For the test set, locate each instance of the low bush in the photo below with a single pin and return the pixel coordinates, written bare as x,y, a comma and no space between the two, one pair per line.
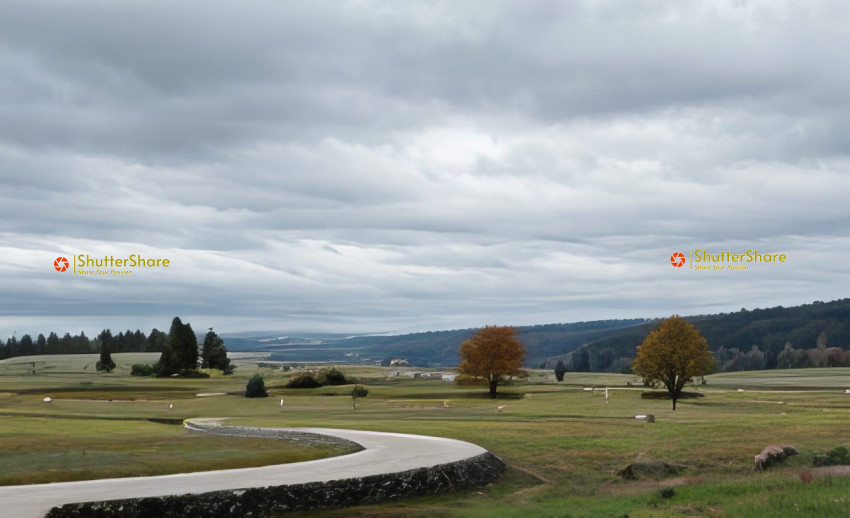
332,376
256,387
838,456
303,380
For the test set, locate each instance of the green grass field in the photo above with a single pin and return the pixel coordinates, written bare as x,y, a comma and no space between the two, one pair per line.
564,445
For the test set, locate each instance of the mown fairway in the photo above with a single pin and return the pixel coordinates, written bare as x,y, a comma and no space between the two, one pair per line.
564,445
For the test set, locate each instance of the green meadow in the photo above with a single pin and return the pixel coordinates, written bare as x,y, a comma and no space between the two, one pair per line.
564,445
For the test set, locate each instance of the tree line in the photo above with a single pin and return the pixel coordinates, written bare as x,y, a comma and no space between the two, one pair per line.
180,354
179,349
124,342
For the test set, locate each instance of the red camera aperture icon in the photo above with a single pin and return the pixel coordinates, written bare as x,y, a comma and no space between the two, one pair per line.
61,264
677,259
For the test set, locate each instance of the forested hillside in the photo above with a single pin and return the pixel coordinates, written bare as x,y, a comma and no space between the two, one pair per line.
441,347
811,335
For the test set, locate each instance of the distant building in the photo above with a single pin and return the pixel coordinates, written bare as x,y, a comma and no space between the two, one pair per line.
398,362
449,377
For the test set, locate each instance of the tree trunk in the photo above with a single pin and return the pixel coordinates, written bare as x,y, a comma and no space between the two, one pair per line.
674,387
494,381
675,393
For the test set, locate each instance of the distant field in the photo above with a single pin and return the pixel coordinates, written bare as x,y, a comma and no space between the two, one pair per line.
564,444
792,379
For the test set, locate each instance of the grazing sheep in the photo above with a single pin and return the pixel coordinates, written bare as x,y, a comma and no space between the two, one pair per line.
772,454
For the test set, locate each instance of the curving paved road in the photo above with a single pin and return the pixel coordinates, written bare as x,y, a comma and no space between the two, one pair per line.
382,453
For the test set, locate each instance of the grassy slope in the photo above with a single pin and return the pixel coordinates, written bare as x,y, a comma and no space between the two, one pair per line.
96,425
564,444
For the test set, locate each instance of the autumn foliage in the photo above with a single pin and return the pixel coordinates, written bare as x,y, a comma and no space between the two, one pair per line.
673,354
492,353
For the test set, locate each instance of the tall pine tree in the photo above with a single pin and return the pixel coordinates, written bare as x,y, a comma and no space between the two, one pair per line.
107,345
180,351
214,354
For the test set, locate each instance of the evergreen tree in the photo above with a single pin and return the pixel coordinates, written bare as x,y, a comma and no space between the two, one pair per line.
180,351
52,343
155,341
82,344
560,369
41,344
13,346
214,354
138,342
107,344
256,387
27,346
121,342
66,343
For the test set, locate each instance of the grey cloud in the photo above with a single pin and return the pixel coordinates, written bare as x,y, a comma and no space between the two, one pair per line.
370,165
189,65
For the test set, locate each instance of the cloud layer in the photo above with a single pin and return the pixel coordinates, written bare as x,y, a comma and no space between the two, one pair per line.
373,166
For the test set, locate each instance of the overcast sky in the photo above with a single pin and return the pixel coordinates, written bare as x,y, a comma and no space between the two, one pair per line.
396,166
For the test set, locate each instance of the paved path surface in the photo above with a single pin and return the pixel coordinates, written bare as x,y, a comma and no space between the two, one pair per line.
382,453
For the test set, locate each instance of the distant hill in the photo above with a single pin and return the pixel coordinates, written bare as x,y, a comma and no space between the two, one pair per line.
431,349
809,335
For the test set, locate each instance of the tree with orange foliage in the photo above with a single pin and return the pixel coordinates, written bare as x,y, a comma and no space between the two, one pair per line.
492,353
673,354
